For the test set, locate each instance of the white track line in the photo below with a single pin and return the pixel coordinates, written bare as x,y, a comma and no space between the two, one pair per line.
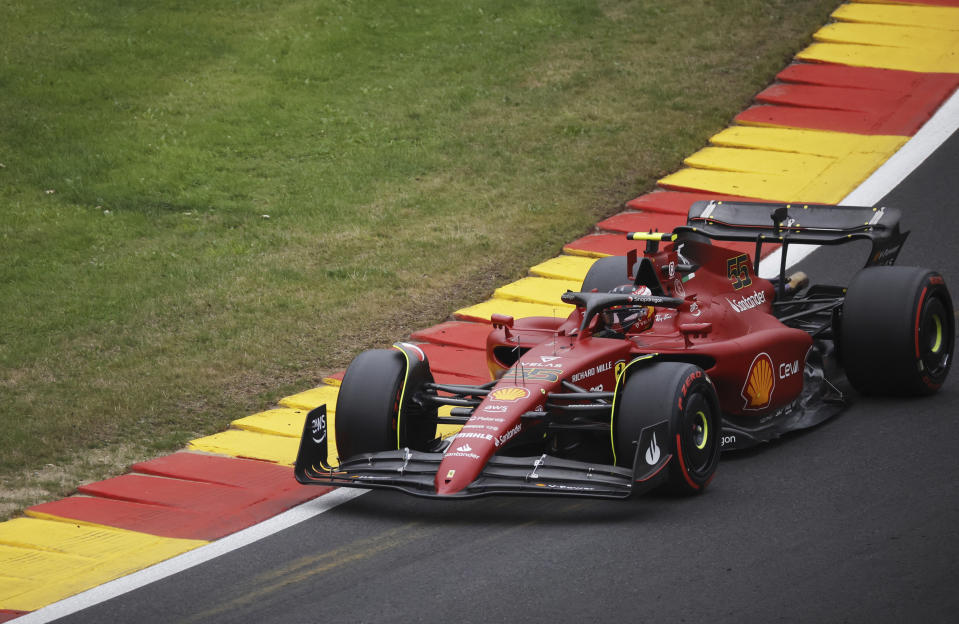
883,180
192,558
933,134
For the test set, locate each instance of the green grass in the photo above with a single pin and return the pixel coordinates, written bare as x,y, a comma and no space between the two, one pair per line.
206,206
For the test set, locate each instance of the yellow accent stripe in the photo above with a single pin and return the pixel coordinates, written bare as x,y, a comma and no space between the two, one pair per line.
399,409
612,412
445,431
650,236
705,423
938,343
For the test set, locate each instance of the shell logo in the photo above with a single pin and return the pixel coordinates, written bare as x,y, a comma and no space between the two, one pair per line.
760,383
512,393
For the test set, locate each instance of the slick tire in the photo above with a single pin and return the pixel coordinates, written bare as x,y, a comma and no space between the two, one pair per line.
606,274
683,394
368,415
897,331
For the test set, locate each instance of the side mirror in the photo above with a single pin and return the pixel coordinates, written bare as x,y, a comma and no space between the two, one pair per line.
694,330
502,321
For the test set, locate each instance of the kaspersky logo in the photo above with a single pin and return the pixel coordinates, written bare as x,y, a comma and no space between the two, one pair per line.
760,383
748,302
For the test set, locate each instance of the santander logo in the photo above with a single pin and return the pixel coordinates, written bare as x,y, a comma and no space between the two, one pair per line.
748,302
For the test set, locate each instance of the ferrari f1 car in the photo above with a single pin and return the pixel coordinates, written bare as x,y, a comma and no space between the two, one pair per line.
670,356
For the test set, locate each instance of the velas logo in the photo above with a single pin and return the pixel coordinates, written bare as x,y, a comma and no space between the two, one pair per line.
760,383
513,393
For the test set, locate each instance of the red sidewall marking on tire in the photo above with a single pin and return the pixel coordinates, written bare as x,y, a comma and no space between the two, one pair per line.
682,464
922,298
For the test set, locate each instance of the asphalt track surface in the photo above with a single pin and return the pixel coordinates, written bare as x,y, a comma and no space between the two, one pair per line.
856,520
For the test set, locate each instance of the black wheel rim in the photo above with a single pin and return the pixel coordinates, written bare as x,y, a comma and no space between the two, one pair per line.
699,436
934,340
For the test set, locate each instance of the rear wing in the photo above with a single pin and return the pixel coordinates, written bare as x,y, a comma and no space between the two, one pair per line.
785,224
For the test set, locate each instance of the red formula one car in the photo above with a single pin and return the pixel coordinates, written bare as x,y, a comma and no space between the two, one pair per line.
670,356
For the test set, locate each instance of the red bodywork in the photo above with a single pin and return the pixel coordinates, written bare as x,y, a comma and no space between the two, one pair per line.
725,325
576,408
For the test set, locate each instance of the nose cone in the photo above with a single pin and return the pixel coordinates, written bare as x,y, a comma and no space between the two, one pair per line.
451,483
494,422
462,464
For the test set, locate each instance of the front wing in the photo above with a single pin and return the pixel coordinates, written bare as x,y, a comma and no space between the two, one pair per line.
414,472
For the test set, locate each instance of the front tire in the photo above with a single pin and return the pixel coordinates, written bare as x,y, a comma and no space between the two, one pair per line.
897,333
369,414
683,394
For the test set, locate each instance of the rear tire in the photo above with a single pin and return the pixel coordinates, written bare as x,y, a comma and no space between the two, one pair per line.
368,416
683,394
897,333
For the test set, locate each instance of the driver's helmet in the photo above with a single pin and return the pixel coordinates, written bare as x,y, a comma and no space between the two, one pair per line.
629,318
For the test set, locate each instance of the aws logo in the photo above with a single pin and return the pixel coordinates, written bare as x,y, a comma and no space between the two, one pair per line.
760,383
